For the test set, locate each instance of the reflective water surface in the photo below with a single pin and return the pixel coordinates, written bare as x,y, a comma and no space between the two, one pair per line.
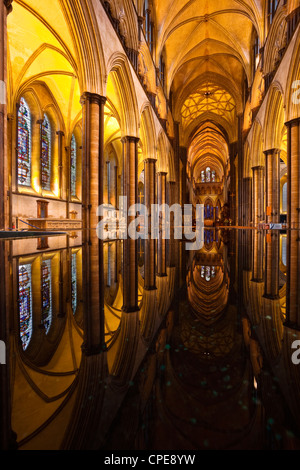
144,345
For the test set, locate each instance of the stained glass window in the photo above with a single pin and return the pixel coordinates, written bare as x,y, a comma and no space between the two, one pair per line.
74,282
73,165
25,305
46,295
213,176
46,154
24,144
208,175
203,178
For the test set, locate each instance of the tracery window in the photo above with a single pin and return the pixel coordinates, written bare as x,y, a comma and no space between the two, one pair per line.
73,165
46,295
24,144
149,26
25,305
74,282
271,10
46,154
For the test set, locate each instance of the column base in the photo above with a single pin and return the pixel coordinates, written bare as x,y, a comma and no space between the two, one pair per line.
130,309
292,326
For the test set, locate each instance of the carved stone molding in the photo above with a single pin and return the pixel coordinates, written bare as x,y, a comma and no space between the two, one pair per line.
8,5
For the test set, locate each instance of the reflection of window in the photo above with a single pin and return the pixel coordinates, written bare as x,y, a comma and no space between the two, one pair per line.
46,154
208,273
74,282
73,165
283,250
46,295
25,305
24,144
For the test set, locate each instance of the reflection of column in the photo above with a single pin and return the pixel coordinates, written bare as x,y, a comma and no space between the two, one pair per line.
258,194
293,248
161,257
258,257
130,276
93,158
247,187
93,294
272,265
150,259
7,437
273,185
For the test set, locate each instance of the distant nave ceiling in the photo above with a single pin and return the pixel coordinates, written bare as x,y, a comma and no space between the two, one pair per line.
207,45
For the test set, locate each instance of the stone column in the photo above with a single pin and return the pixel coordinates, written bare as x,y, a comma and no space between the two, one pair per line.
162,187
93,158
258,194
293,240
130,252
150,183
5,9
272,178
247,198
93,282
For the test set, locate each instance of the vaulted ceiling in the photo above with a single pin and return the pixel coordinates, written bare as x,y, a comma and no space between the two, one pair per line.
207,47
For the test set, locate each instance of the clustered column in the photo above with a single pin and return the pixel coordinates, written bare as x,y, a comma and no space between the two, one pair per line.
5,9
161,242
273,185
93,158
258,194
130,256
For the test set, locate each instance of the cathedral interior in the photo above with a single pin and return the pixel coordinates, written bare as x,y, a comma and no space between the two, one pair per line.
119,344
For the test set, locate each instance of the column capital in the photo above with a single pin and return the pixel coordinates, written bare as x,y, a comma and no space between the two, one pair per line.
60,133
259,167
162,173
150,160
8,5
130,139
272,151
92,98
293,122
